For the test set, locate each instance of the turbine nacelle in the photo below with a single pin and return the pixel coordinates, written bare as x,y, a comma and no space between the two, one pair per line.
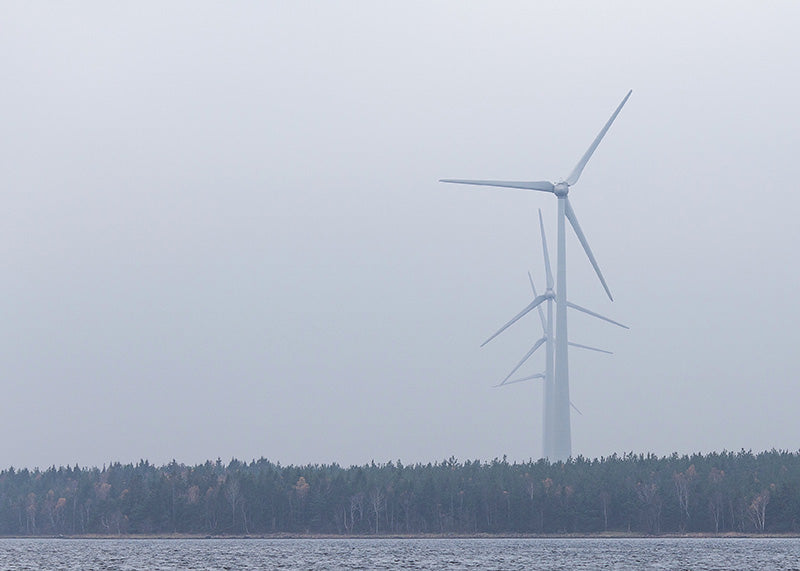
561,189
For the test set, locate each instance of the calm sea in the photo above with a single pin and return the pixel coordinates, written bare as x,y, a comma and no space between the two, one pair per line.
334,554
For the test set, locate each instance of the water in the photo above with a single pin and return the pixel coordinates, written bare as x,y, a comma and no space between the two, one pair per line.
367,554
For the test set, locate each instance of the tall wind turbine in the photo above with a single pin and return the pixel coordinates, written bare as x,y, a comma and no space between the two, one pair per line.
547,340
562,442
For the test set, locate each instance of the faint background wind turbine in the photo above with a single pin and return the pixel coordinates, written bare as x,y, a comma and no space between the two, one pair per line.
562,436
547,340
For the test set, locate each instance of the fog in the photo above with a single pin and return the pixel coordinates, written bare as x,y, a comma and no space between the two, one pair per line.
222,233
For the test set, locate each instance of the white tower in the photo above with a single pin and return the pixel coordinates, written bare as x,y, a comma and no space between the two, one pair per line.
559,414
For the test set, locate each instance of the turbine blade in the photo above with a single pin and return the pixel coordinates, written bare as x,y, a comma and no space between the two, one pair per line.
576,172
517,317
590,348
536,376
579,233
539,309
572,404
597,315
534,185
547,270
525,358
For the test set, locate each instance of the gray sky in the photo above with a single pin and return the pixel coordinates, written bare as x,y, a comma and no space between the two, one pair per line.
223,235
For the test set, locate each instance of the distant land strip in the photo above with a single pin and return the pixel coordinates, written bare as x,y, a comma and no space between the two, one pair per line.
717,494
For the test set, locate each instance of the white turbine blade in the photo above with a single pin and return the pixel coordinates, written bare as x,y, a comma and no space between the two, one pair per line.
546,254
534,185
590,348
572,404
525,358
531,305
523,379
576,172
539,309
597,315
579,233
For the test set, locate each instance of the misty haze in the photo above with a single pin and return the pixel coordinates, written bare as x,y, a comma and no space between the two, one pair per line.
227,251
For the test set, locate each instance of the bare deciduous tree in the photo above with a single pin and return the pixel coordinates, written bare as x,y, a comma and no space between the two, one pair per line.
758,510
378,502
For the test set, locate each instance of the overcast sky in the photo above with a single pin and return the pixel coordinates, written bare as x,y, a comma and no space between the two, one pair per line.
222,233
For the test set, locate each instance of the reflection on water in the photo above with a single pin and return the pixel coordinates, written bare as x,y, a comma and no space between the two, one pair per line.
335,554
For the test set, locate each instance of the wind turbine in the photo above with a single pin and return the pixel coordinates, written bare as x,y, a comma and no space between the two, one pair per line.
562,437
548,341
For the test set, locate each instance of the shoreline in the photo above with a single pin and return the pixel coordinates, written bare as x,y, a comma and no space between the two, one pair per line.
320,536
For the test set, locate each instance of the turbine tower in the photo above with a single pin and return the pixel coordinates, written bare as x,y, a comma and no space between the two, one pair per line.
562,437
547,340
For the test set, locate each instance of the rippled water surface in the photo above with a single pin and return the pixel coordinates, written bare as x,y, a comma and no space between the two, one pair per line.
332,554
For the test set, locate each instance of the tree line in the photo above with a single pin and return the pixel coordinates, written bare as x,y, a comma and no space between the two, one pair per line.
638,493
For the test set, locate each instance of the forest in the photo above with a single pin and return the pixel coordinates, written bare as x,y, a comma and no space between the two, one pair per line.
634,493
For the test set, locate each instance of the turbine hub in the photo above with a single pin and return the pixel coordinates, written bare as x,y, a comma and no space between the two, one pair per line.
561,189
